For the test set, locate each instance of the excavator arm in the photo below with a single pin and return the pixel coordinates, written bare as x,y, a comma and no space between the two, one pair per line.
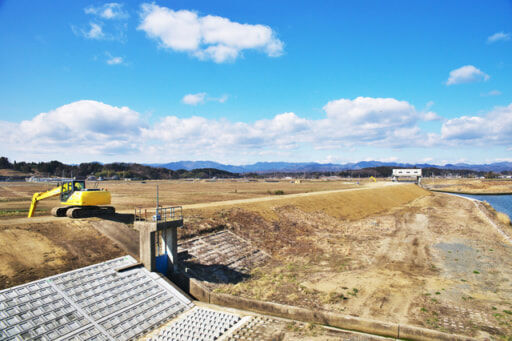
40,196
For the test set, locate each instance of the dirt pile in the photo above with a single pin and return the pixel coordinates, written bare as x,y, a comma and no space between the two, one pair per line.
34,251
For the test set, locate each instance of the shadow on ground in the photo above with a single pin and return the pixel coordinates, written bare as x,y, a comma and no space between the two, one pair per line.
126,218
212,273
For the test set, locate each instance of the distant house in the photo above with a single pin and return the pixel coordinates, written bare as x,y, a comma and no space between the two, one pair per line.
405,174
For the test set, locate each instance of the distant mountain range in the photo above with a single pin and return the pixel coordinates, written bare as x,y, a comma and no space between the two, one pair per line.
292,167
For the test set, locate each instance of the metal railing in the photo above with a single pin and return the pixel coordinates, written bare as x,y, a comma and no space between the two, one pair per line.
162,214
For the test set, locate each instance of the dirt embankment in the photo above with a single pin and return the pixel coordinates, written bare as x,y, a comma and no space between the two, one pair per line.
32,251
396,254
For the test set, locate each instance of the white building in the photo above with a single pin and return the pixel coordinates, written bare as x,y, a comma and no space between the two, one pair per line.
405,174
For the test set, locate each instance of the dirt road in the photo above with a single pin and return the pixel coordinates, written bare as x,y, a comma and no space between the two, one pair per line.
288,197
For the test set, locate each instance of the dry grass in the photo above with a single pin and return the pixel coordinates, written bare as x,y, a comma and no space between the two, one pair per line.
349,205
497,216
410,257
471,186
503,218
127,195
12,172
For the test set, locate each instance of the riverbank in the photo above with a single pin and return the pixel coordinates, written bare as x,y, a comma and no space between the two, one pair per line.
467,193
499,220
469,186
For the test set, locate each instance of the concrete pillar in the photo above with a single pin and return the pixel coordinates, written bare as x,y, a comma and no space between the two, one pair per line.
171,245
148,231
147,245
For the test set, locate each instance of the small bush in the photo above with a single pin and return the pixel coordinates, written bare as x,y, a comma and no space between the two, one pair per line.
503,218
279,192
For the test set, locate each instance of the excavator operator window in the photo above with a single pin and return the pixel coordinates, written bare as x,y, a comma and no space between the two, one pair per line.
79,185
66,191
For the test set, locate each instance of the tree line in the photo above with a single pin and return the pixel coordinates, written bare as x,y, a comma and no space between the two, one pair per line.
135,170
109,170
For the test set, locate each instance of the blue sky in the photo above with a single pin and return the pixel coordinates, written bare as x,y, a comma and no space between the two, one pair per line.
239,82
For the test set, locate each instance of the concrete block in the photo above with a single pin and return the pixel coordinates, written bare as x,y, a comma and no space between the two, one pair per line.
417,333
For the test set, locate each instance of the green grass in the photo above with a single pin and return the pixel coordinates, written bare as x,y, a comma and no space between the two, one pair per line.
16,212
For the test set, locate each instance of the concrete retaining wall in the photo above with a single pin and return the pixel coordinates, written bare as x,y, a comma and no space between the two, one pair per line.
347,322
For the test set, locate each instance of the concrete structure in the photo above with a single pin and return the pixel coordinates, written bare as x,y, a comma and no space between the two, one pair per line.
407,175
114,300
200,324
158,239
219,258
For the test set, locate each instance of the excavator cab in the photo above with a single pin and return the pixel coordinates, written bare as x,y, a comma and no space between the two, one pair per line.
69,187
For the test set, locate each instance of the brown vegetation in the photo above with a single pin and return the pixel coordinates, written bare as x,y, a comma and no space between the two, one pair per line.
15,196
470,186
427,260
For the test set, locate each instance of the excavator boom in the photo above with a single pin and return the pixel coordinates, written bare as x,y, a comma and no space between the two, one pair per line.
40,196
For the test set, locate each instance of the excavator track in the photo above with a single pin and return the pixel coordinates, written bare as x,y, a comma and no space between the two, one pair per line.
90,211
59,211
82,211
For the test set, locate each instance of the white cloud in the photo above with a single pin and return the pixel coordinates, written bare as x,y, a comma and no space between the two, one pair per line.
206,37
194,99
200,98
115,60
94,32
88,127
112,60
99,28
495,127
221,99
491,93
466,74
498,36
361,121
366,120
108,11
431,116
98,129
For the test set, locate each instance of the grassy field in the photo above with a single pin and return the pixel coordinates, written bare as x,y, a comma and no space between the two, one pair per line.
15,196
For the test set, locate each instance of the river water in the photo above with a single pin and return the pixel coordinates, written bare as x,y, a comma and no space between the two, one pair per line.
501,203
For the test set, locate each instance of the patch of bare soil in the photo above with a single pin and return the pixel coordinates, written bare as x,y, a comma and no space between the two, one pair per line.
34,251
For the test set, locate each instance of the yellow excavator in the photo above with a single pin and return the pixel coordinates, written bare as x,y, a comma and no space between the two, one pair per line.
80,202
